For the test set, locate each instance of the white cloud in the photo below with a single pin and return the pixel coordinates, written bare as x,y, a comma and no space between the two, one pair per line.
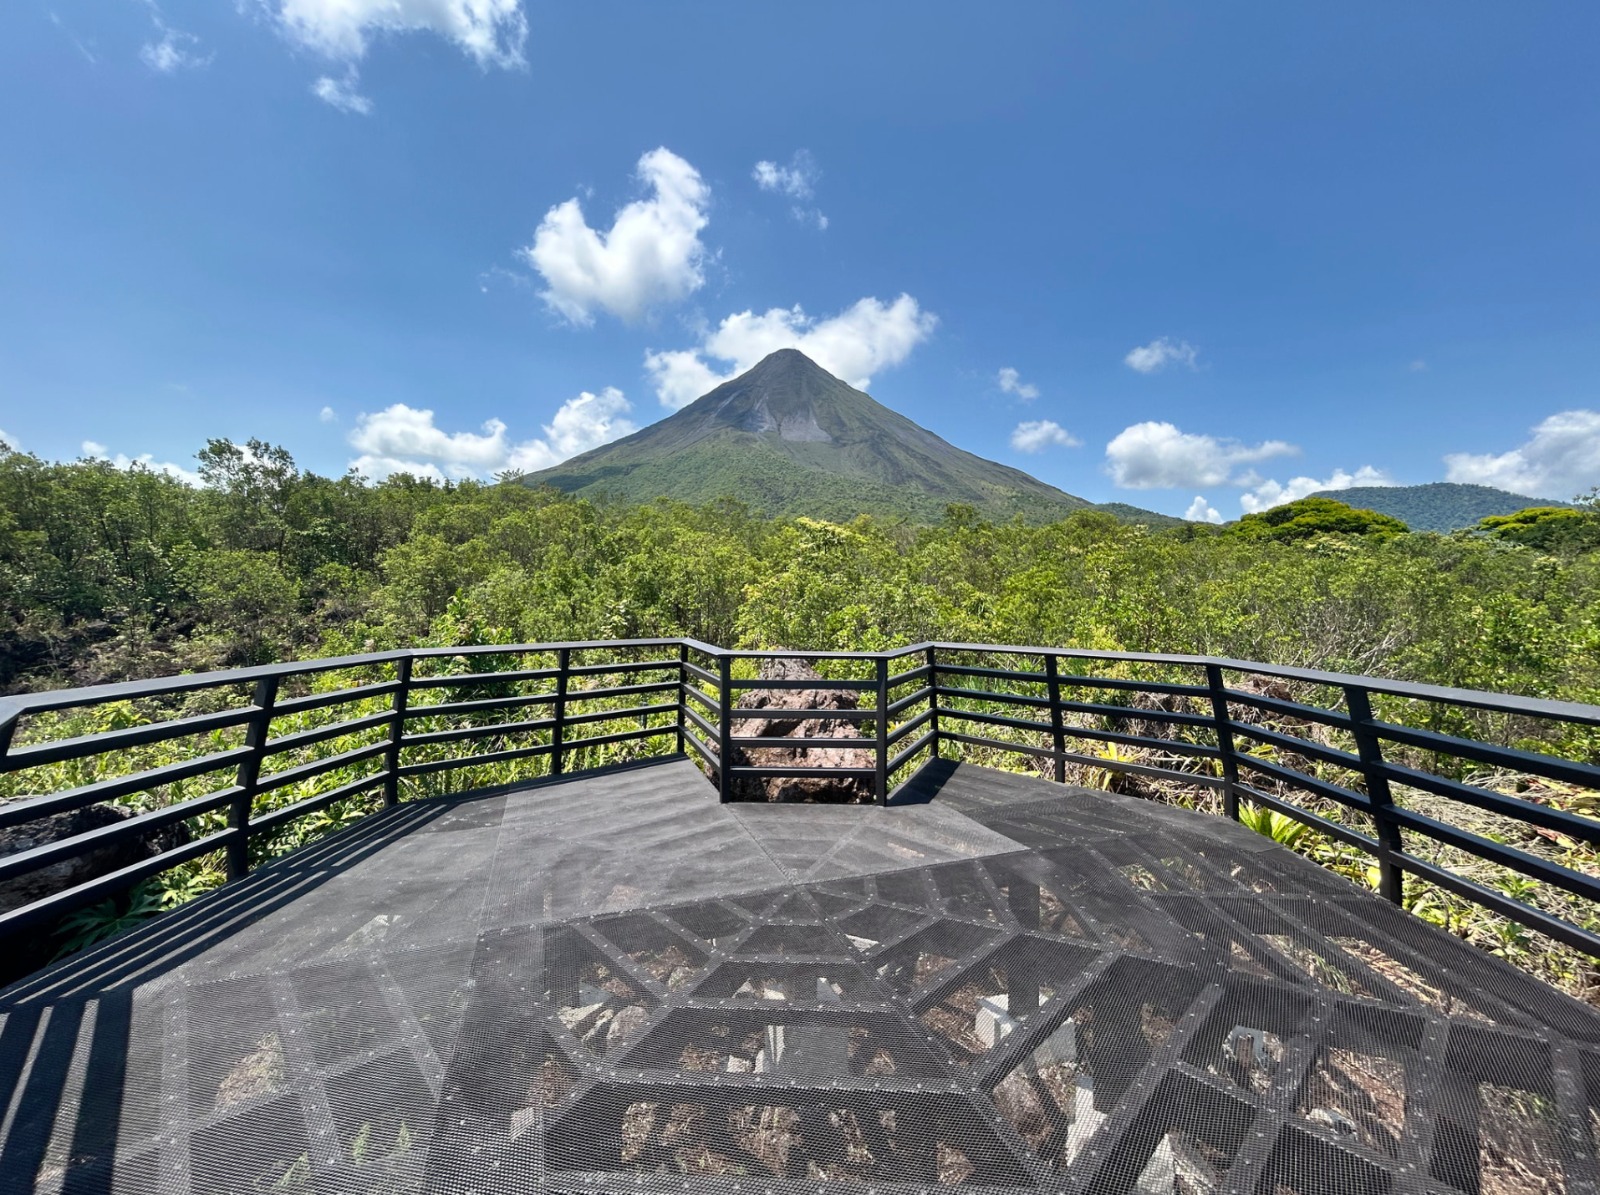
491,32
853,345
327,415
175,51
652,254
1039,434
342,93
403,439
97,452
1201,511
797,180
10,441
1268,494
1011,383
1419,366
1561,460
1160,353
1154,456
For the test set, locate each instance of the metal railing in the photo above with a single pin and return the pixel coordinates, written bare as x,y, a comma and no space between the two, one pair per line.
1216,723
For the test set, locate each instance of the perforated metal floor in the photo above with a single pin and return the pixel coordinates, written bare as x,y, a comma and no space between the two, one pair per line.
613,983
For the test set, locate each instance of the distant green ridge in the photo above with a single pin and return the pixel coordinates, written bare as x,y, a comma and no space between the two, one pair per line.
788,438
1437,506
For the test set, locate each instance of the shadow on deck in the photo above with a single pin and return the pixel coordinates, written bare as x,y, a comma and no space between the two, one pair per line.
610,981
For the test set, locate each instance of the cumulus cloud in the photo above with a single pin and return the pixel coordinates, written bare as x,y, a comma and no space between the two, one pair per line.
1039,434
1154,456
652,254
1201,511
1267,494
1160,353
1011,383
491,32
327,415
1561,459
98,452
342,93
173,52
853,345
797,180
403,439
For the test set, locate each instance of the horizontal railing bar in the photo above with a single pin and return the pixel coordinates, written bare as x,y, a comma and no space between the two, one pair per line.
1297,745
60,903
620,736
61,750
702,699
947,711
28,809
654,686
1583,775
1128,713
316,701
637,711
709,728
978,740
1290,709
497,649
905,728
479,705
460,734
906,677
706,752
785,713
470,679
1094,761
623,668
299,809
1516,808
781,740
802,686
119,831
797,772
1507,856
1333,829
1165,688
472,761
321,734
1323,788
910,699
317,767
1536,919
1034,678
995,695
899,761
693,669
1173,746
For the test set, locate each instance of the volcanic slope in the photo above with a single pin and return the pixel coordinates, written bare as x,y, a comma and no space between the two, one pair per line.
788,438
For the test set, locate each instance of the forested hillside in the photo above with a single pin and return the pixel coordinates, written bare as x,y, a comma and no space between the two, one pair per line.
106,574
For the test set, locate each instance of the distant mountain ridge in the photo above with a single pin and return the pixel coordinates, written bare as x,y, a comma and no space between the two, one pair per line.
1438,505
788,438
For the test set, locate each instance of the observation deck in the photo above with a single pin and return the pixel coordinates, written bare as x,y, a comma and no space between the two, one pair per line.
610,979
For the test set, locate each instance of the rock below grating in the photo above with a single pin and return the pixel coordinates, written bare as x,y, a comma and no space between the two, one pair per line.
800,713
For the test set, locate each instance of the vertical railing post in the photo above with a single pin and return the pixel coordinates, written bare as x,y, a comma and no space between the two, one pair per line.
397,732
933,702
1058,733
559,730
1225,751
683,696
1391,877
881,755
248,778
724,725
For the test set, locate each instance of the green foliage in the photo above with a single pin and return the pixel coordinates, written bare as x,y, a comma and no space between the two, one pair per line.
1310,517
1441,506
1547,528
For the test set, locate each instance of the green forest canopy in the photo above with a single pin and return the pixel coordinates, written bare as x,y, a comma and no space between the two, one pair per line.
107,574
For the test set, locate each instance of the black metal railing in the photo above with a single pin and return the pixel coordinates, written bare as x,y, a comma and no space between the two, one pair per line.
1246,730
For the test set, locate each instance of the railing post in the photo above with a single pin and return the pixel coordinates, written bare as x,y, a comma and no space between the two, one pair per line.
248,777
881,780
1391,877
724,725
933,703
683,697
397,732
558,731
1058,734
1224,728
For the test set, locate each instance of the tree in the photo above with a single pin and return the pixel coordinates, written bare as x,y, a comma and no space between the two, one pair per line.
1308,517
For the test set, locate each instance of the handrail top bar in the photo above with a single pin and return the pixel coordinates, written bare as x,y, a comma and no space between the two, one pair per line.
11,708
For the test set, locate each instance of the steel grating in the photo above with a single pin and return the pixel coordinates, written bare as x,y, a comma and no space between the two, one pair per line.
611,982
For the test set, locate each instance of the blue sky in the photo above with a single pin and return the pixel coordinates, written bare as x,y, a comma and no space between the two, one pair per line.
1194,257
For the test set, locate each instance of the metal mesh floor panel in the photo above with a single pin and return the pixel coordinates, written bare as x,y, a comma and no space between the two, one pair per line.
611,982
